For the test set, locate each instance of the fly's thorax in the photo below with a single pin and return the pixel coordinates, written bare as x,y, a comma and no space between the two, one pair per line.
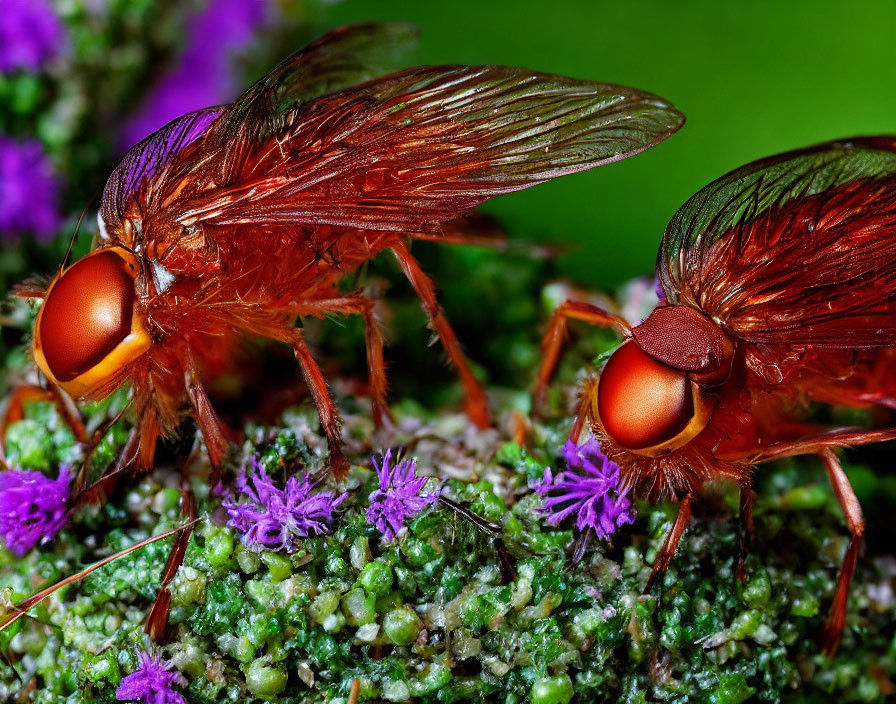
659,390
91,325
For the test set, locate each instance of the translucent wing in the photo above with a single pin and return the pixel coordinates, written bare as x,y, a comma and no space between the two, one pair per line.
797,249
418,147
150,162
345,57
341,58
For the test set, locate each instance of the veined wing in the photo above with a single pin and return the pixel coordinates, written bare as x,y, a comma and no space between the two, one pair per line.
150,164
410,150
344,57
797,249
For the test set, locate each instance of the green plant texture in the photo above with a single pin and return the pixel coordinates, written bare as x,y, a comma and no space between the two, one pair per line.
432,617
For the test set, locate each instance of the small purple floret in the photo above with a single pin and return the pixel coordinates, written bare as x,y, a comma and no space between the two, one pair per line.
274,518
152,683
398,497
31,35
589,489
29,193
32,507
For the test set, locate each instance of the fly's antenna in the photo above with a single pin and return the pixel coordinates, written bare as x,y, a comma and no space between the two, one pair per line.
71,242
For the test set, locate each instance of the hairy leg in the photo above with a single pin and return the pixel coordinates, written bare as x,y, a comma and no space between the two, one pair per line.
209,425
137,456
359,305
823,444
157,618
856,523
31,392
745,528
326,409
276,329
476,400
670,545
555,335
585,410
832,439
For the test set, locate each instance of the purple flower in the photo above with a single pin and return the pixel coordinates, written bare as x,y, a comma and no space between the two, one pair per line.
32,507
152,683
273,518
29,194
398,497
31,35
202,77
589,489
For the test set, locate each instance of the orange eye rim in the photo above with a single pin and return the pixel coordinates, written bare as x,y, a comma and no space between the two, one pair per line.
703,410
103,376
704,405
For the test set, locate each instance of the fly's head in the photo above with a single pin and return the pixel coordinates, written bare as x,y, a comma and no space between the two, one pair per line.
659,390
90,326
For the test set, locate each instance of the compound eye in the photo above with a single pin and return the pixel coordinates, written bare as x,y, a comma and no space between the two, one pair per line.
87,314
643,403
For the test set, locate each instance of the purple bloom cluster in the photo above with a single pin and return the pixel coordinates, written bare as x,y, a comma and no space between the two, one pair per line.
202,77
152,683
274,518
398,497
31,35
590,489
29,194
32,507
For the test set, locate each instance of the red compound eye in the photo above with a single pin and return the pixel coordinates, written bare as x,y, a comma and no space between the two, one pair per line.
87,314
643,403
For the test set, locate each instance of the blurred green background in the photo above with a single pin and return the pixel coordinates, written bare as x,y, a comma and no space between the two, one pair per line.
753,78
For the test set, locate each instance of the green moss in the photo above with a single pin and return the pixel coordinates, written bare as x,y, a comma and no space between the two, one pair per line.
402,626
264,680
376,578
552,690
278,565
219,547
432,618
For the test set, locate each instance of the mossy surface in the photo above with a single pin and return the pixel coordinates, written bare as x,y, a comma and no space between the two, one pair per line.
433,617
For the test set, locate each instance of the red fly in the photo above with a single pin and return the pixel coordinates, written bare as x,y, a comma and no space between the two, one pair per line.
780,289
239,220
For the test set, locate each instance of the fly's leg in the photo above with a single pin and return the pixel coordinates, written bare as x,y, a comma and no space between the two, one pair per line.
100,490
355,691
31,392
823,445
360,305
209,425
157,618
745,527
326,409
555,335
856,523
476,400
137,455
69,412
670,545
586,406
840,437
